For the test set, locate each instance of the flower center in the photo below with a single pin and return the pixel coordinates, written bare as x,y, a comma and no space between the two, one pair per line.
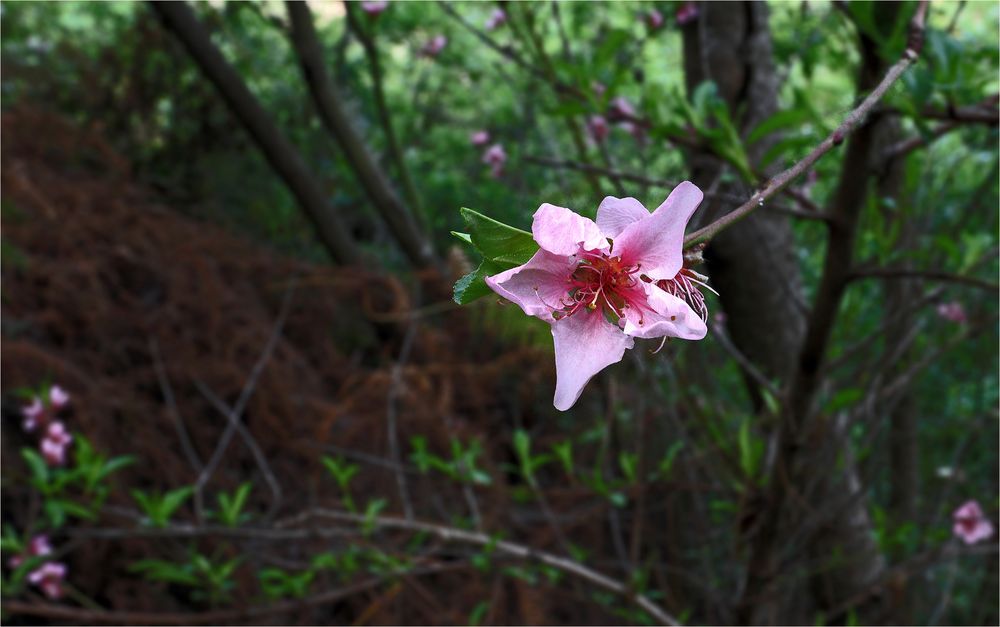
600,282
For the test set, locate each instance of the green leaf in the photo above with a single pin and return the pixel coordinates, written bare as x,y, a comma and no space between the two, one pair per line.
39,469
497,241
472,286
465,237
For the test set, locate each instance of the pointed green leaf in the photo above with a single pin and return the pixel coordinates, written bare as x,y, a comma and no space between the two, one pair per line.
497,241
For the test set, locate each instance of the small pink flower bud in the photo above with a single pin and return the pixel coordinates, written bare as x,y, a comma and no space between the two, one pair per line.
58,397
374,7
479,138
434,47
598,127
48,577
654,19
971,524
495,156
54,444
686,13
497,19
953,312
621,108
34,415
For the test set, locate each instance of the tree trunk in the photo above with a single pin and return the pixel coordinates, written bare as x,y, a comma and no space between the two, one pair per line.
278,151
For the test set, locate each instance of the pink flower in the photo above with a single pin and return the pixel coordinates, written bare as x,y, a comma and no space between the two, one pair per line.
34,415
654,19
434,47
495,156
479,138
374,7
58,397
49,577
621,108
953,312
970,523
38,546
686,13
598,126
600,285
54,444
497,19
598,88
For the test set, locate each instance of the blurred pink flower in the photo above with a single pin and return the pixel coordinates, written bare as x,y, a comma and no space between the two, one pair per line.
54,444
374,7
34,415
620,108
598,88
654,19
497,19
597,284
58,397
495,156
598,127
479,138
719,318
49,577
686,13
970,523
38,546
953,312
434,47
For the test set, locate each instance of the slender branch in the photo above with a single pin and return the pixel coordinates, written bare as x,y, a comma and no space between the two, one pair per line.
168,397
451,534
936,275
236,414
779,182
367,40
906,146
396,215
75,615
276,148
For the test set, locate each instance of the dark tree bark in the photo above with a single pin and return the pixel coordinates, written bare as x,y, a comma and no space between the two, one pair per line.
811,549
278,151
752,264
817,526
376,184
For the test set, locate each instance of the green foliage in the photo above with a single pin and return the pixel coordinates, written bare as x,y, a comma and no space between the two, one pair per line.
159,508
343,472
279,584
462,466
501,246
209,580
230,512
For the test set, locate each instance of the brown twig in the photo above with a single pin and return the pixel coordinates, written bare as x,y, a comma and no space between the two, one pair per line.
934,275
850,123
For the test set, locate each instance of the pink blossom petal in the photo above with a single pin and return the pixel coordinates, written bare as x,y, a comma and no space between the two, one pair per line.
667,316
585,344
614,214
538,286
657,242
562,232
58,396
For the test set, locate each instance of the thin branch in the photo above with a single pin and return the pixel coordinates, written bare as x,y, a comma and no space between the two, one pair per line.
367,39
236,414
934,275
850,123
451,534
391,415
168,397
906,146
276,148
74,615
396,215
